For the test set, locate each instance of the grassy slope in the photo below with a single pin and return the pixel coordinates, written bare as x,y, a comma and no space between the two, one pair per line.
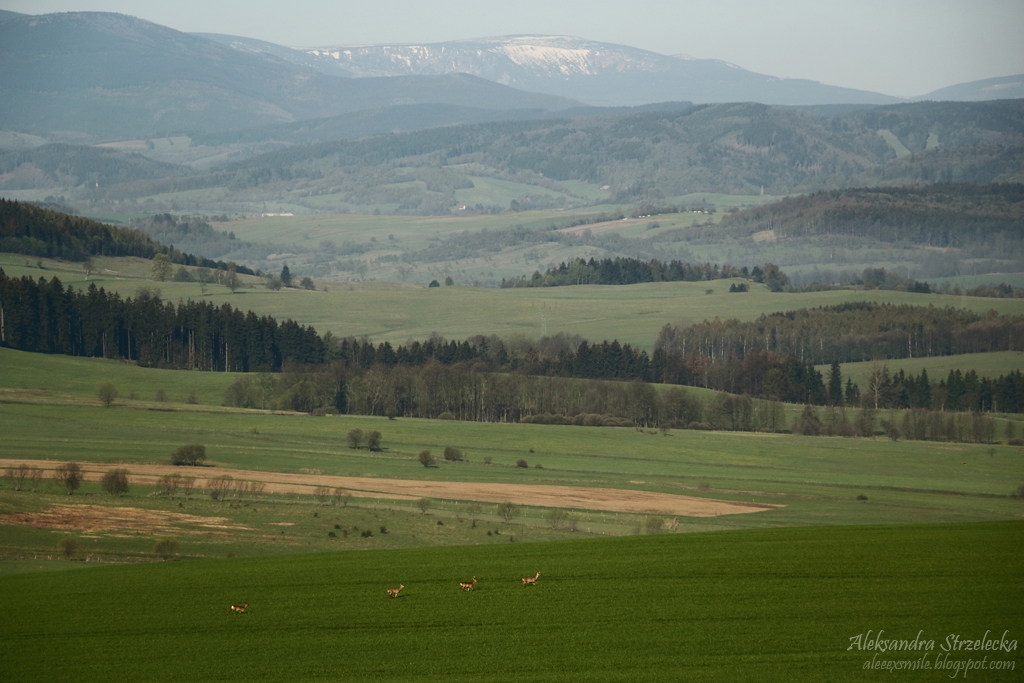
397,313
753,605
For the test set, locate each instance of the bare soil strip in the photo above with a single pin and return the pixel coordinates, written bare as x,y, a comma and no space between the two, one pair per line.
578,497
102,518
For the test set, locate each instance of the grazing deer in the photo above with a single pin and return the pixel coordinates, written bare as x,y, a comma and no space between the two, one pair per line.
468,585
393,592
239,608
531,580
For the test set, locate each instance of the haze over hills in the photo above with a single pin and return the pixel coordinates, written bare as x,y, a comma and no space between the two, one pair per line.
95,74
599,74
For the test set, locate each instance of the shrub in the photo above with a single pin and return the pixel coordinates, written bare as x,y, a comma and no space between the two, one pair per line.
807,423
331,534
354,438
556,517
487,460
165,548
383,529
654,524
190,455
521,462
426,459
452,454
108,394
161,395
115,482
861,496
69,546
69,475
373,441
509,511
367,534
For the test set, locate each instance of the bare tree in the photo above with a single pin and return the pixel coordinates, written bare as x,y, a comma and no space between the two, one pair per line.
473,510
187,483
219,486
342,496
168,484
322,493
17,475
423,504
69,475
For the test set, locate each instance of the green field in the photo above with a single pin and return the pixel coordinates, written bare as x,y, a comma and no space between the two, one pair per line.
395,312
771,605
818,480
905,537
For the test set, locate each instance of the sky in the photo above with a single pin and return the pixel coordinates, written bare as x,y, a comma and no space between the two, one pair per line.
896,47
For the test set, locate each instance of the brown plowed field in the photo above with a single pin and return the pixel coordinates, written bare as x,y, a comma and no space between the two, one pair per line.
579,497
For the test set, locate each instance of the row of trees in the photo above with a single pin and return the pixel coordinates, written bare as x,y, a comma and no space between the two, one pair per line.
849,332
631,271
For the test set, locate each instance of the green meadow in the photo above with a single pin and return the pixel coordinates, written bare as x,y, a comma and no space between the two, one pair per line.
765,605
396,312
50,411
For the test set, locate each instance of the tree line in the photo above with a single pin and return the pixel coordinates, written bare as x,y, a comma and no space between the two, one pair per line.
43,316
849,332
631,271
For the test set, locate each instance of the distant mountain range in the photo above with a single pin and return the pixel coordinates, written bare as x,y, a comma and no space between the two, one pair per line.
90,77
599,74
111,75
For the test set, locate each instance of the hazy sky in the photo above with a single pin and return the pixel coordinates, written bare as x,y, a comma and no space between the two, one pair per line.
897,47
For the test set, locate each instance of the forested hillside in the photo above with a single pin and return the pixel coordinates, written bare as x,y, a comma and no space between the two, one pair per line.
645,155
34,231
941,215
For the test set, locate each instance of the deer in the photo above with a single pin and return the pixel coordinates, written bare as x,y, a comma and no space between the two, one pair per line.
393,592
238,608
531,580
468,585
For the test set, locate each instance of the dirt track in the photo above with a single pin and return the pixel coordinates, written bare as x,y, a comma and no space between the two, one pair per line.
587,498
